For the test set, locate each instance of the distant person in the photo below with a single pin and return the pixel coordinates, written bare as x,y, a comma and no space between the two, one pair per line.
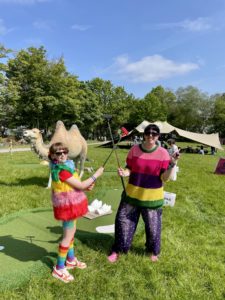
172,147
164,145
201,151
69,203
173,151
135,140
213,150
148,166
10,146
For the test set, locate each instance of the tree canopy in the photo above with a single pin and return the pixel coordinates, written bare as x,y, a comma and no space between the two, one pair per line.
36,92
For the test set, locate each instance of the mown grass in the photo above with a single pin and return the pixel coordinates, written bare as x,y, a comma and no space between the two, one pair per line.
192,261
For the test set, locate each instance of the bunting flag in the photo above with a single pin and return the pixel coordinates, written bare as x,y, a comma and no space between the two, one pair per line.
122,132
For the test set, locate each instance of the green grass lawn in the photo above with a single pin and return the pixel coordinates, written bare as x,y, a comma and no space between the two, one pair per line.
192,261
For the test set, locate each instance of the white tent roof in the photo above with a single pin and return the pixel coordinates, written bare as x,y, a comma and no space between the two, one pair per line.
206,139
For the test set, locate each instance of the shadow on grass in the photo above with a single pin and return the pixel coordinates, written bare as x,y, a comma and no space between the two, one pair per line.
23,249
95,241
40,181
140,251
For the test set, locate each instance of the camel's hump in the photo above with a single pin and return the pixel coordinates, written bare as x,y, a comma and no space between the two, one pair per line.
75,130
74,127
59,124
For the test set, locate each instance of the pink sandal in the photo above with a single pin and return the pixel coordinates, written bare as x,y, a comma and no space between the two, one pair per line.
113,257
154,258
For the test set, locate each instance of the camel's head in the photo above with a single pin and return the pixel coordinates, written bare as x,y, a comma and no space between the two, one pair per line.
32,134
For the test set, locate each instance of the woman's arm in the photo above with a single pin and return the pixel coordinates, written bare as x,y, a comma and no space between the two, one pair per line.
169,173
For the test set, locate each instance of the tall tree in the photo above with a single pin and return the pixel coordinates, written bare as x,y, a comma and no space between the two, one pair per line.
153,107
6,107
218,114
3,66
90,111
168,101
190,111
46,92
112,100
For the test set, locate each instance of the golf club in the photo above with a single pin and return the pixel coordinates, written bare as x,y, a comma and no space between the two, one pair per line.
111,152
108,117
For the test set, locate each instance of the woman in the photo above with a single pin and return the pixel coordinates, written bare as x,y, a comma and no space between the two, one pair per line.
148,166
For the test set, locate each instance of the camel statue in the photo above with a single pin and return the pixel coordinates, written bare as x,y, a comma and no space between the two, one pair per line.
72,138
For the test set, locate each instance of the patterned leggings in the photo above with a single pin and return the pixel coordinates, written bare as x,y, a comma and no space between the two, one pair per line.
126,223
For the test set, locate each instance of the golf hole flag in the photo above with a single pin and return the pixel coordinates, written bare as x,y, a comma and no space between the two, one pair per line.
220,168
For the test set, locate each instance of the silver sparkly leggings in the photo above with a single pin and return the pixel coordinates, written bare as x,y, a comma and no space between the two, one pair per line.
126,223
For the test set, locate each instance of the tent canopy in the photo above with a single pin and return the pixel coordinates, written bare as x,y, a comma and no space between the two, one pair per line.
206,139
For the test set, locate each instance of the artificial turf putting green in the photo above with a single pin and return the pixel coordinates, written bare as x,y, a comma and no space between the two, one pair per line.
30,239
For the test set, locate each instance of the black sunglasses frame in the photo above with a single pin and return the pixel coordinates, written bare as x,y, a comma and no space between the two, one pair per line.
153,133
58,153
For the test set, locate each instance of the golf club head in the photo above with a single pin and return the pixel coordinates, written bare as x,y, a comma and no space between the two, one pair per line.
107,117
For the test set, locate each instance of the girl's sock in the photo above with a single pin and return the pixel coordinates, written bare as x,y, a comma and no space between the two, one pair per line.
70,253
61,257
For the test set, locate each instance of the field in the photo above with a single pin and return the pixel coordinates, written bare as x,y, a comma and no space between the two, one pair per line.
192,260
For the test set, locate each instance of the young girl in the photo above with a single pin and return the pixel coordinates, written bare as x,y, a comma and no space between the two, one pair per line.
69,203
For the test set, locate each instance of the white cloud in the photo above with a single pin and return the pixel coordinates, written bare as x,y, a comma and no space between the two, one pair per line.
23,2
3,29
150,68
199,24
80,27
42,25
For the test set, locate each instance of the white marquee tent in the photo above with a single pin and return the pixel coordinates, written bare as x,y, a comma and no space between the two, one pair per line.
206,139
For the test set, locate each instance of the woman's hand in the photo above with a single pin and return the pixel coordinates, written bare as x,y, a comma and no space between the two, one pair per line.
174,157
123,172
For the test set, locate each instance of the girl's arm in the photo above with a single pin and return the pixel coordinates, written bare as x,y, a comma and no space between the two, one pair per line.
83,185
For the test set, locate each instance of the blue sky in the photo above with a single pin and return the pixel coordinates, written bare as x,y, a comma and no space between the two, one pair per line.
138,44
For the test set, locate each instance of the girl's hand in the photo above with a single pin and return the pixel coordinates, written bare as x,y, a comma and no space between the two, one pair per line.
90,188
99,172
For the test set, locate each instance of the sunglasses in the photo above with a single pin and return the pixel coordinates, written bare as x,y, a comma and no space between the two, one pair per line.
153,133
61,152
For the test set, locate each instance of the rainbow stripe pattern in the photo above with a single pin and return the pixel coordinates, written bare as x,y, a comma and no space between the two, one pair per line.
62,254
68,202
145,186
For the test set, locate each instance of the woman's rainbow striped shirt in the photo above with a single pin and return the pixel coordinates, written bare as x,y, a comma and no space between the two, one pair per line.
145,186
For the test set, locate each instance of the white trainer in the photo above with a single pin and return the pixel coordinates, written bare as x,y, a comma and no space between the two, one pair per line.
75,264
62,274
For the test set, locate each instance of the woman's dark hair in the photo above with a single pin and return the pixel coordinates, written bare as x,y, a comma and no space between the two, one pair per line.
152,127
57,147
